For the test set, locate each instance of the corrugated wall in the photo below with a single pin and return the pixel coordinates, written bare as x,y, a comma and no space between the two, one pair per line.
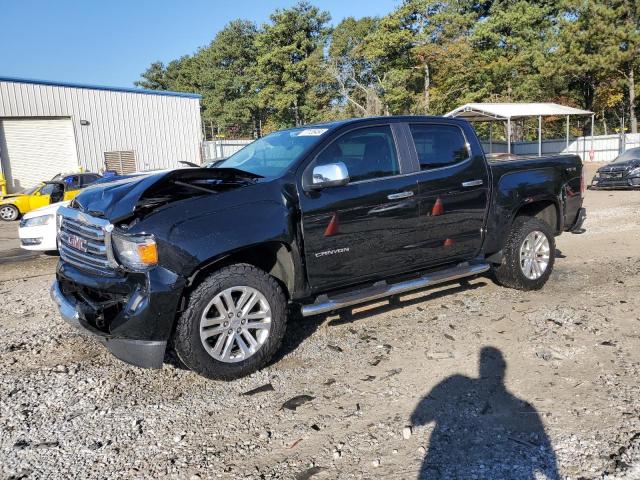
161,129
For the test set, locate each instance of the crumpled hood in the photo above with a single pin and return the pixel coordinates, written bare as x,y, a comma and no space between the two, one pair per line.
118,200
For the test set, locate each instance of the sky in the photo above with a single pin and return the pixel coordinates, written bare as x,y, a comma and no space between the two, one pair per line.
111,42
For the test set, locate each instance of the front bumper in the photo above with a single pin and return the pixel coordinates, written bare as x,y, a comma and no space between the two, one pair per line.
623,182
132,316
141,353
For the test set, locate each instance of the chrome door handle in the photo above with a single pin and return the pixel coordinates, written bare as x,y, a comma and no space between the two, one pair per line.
472,183
399,195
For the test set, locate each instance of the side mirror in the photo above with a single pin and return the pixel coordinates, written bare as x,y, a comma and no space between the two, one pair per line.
329,175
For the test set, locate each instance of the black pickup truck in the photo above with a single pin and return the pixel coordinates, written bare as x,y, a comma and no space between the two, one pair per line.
308,220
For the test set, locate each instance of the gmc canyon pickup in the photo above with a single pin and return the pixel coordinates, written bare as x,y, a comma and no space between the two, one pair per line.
213,261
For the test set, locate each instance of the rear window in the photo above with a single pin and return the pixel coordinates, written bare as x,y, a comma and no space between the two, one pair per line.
438,145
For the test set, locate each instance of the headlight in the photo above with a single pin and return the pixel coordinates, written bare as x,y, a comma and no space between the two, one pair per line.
36,221
135,252
634,171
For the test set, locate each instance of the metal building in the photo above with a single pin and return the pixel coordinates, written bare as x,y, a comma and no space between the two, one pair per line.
51,127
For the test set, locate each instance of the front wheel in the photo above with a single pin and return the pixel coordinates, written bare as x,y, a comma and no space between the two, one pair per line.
529,254
233,324
9,213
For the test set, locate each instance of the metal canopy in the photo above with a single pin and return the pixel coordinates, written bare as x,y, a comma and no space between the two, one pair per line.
506,112
487,112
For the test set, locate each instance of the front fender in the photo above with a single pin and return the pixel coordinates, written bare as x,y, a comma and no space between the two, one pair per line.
205,238
21,203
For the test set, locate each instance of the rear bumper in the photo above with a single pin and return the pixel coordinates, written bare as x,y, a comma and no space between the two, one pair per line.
132,315
579,221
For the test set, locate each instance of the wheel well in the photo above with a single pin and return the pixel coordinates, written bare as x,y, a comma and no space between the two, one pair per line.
546,210
272,257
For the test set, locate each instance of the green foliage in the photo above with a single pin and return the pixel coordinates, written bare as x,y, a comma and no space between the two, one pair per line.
288,73
425,56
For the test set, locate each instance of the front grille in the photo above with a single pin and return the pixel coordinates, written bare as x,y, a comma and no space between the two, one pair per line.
612,176
84,241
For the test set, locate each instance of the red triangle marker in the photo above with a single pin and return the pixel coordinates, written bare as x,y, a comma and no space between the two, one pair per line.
333,227
438,208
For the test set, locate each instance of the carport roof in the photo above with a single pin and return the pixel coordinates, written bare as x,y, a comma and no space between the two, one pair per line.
486,112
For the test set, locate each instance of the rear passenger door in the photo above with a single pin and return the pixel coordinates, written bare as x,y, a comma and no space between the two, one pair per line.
366,227
452,192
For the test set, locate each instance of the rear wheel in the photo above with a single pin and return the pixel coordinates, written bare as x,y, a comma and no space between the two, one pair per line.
529,255
233,324
9,213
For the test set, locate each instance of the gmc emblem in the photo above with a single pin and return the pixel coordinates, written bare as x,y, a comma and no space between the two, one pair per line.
77,242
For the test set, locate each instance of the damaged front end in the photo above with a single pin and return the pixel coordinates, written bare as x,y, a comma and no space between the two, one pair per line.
617,176
112,280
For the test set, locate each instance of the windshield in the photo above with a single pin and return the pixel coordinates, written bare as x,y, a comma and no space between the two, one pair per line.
631,154
272,155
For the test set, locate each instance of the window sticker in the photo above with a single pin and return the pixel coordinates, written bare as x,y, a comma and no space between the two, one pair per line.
312,132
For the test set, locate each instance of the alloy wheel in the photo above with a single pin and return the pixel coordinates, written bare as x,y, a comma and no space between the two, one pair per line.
235,324
8,213
534,255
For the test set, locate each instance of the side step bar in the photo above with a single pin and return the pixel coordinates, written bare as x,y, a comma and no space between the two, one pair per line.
380,290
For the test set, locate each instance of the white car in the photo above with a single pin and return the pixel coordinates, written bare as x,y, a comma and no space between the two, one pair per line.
38,229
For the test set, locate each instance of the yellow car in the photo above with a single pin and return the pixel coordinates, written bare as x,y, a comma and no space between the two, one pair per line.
61,188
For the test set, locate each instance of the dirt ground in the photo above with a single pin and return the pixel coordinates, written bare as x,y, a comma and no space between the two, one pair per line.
467,381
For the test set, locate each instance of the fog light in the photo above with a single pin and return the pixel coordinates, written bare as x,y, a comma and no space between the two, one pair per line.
29,242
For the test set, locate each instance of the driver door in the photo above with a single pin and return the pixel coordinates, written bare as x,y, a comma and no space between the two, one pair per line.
41,197
368,226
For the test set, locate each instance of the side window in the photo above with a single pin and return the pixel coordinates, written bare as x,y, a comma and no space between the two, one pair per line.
438,145
88,179
50,188
72,182
367,153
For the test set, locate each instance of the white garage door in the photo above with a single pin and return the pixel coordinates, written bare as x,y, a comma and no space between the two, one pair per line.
36,149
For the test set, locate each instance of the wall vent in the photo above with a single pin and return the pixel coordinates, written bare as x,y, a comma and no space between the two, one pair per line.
123,162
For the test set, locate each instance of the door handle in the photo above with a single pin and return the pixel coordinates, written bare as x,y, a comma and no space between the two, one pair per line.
472,183
399,195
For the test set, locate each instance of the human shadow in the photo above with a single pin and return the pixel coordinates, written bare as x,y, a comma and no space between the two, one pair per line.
482,430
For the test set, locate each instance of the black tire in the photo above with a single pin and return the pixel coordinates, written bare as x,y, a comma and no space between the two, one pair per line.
187,343
10,213
510,273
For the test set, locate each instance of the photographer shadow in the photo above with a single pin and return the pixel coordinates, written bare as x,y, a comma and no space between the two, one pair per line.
482,430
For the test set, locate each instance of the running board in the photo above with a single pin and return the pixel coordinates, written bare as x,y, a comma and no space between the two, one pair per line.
326,304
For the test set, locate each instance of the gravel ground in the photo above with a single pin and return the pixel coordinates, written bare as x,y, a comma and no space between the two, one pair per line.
467,381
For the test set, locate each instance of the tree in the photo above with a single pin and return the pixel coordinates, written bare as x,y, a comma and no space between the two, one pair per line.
154,78
583,55
289,74
229,99
627,36
510,45
355,75
436,32
425,56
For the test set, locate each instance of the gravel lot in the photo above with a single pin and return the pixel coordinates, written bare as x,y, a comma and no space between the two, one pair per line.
466,381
